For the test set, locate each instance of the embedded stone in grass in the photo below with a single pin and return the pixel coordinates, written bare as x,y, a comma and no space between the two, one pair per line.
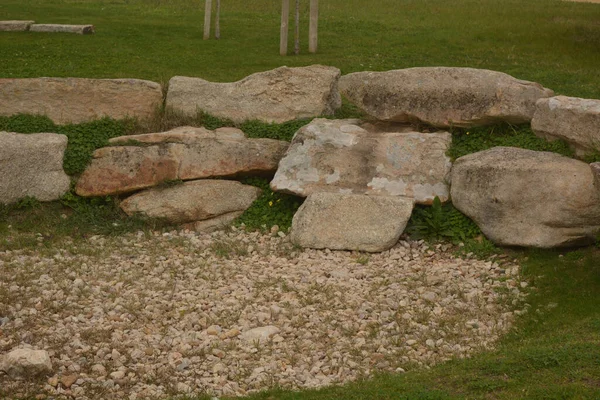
15,26
350,221
21,363
189,202
62,28
280,95
443,97
32,165
528,198
75,100
572,119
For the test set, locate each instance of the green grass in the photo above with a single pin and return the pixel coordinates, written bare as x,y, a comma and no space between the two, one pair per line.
553,42
467,141
553,354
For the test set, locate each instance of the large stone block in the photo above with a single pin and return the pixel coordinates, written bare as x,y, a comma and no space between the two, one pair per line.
443,97
350,221
279,95
75,100
214,202
185,153
574,120
32,165
15,26
343,156
528,198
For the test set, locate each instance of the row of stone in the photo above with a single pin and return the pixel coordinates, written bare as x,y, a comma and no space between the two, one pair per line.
24,26
361,181
438,96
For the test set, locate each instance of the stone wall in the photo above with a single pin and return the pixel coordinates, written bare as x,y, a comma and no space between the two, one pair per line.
351,171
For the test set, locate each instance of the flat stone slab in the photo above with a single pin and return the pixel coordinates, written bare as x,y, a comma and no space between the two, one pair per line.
60,28
185,153
214,202
279,95
350,221
572,119
75,100
32,165
443,97
347,156
15,26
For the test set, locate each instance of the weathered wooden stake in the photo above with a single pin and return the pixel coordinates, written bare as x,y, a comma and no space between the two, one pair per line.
297,30
207,11
313,26
285,16
218,20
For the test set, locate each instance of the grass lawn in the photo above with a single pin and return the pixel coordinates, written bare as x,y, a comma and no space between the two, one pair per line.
554,351
556,43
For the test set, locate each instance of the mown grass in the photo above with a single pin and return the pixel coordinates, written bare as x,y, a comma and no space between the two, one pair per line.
553,42
553,353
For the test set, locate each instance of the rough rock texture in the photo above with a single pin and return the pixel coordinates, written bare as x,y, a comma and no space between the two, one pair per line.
23,363
75,100
182,134
442,96
279,95
350,221
15,26
214,224
60,28
575,120
192,201
260,335
186,153
32,165
342,156
527,198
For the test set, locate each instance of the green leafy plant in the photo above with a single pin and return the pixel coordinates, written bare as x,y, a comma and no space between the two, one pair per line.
270,209
27,202
25,123
441,222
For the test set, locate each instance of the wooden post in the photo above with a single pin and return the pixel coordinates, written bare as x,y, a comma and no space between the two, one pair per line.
285,16
207,11
313,26
218,20
297,30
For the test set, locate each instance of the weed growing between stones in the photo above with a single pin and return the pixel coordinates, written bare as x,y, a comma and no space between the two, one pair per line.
269,209
466,141
441,222
83,138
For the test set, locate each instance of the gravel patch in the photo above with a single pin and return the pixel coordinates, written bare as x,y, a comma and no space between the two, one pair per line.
151,315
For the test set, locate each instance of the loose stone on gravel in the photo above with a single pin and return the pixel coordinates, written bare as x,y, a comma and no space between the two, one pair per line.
153,315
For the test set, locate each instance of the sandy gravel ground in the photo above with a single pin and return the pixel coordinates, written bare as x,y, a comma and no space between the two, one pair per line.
151,315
